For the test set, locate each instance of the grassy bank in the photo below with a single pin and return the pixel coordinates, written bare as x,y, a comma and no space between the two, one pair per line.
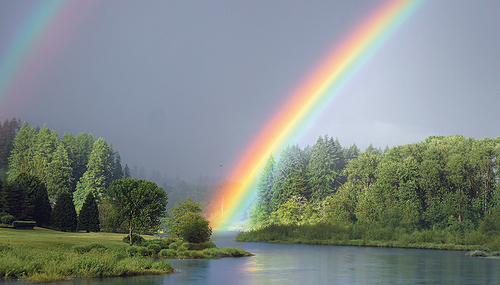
327,234
42,255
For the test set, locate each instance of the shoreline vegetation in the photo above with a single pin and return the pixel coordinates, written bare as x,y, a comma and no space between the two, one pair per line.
478,244
44,255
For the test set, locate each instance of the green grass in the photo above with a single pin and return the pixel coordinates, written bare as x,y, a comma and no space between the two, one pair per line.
43,255
42,236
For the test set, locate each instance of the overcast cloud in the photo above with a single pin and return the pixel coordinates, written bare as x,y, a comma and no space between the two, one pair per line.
183,86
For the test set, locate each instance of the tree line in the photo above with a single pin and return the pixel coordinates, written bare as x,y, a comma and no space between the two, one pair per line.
446,183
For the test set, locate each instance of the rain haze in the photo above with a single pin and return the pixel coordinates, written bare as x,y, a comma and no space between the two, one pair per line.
183,87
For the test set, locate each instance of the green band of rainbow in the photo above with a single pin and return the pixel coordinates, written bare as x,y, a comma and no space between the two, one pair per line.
233,199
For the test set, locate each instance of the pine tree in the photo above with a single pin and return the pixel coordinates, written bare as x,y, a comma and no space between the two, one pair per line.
7,134
88,219
94,179
126,172
58,173
20,160
64,214
36,195
324,168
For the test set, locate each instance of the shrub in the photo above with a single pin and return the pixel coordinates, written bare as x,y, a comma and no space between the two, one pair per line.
24,224
135,239
175,245
154,248
167,241
142,250
477,253
8,219
132,251
168,253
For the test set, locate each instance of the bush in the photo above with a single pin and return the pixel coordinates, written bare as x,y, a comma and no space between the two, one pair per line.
477,253
175,245
8,219
24,224
154,248
168,253
135,239
132,251
142,251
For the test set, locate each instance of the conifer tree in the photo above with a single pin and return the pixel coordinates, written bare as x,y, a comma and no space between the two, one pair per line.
36,195
88,219
64,214
126,172
19,160
94,179
58,173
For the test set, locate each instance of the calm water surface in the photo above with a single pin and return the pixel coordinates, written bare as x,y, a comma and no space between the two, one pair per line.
308,264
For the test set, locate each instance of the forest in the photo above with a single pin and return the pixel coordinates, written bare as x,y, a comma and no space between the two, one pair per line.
445,185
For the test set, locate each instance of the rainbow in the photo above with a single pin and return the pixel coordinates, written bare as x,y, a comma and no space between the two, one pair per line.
40,34
233,199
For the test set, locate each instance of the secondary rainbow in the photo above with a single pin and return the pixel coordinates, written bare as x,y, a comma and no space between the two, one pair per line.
37,37
234,198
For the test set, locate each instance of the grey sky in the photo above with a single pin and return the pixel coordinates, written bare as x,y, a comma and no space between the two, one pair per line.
183,86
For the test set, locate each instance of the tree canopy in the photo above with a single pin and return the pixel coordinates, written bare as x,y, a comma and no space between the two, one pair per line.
137,202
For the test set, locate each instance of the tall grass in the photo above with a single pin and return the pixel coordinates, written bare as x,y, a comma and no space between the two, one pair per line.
42,264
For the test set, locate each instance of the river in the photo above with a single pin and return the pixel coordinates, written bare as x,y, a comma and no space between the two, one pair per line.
309,264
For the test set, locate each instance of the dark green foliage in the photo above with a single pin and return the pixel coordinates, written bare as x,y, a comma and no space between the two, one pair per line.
8,132
24,224
36,194
64,215
17,202
8,219
88,219
135,239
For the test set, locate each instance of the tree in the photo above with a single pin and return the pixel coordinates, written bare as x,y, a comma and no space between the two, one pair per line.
64,214
185,221
7,134
88,219
58,173
324,177
19,157
126,172
261,208
139,203
195,228
94,179
36,195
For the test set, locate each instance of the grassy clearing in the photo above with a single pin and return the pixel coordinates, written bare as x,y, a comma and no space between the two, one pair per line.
42,255
42,236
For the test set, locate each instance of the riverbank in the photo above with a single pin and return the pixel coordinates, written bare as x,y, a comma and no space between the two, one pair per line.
386,237
43,255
